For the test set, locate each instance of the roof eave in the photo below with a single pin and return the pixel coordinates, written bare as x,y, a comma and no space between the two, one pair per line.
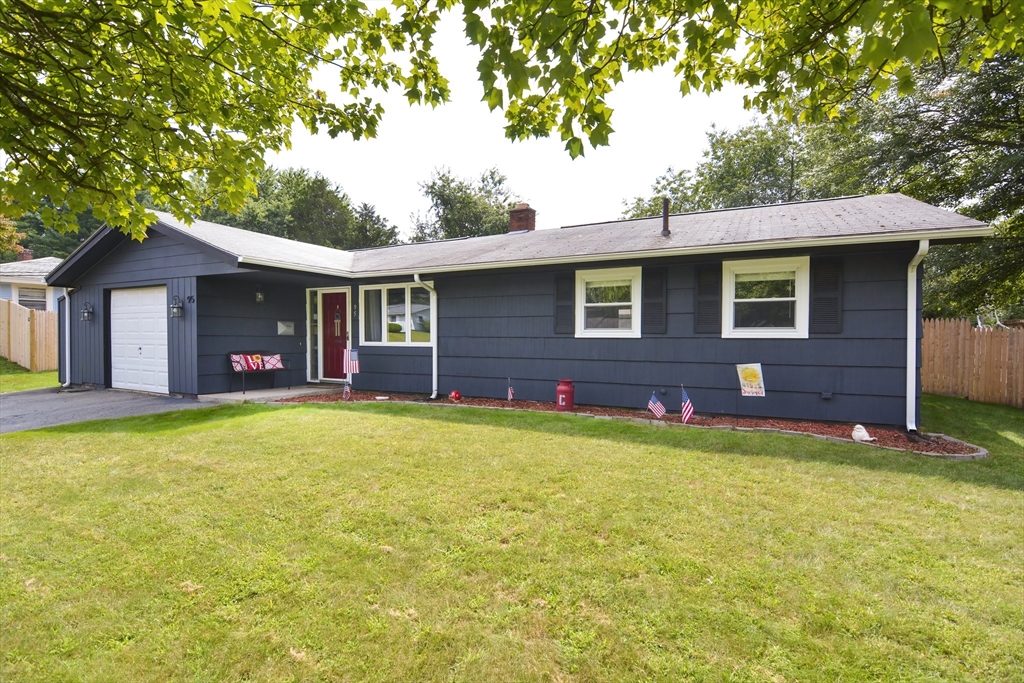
79,255
23,279
301,267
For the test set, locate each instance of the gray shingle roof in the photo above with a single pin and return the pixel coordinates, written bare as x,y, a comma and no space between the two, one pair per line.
885,217
254,247
37,268
873,218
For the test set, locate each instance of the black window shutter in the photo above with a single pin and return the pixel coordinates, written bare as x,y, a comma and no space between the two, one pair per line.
826,296
707,299
565,298
655,294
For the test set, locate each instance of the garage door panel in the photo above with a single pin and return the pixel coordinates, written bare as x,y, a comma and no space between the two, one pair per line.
138,339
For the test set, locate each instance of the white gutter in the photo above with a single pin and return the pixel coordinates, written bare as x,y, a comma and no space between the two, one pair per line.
287,265
67,337
922,249
433,332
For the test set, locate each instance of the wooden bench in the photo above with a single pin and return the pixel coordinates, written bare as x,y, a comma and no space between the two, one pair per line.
249,362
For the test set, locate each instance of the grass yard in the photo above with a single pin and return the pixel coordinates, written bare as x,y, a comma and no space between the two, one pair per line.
392,542
13,377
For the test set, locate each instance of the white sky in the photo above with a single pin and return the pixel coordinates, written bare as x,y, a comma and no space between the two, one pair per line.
655,127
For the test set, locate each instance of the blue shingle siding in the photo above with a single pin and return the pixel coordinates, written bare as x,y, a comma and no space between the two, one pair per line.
230,321
500,325
392,368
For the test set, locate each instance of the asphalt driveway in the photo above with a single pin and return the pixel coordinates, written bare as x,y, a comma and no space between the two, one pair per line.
50,407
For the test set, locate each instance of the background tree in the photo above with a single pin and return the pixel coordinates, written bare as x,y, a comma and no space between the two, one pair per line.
370,229
304,206
101,100
9,239
44,241
958,142
757,164
464,208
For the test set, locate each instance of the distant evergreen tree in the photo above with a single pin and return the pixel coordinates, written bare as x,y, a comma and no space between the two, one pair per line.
464,208
307,207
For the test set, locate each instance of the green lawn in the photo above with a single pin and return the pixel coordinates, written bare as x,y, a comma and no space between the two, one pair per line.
393,542
13,377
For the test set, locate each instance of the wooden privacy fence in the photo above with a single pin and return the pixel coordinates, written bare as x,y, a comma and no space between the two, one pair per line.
28,337
981,363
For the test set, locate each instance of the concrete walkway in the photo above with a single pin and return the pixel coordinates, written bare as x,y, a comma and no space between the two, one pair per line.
51,407
270,395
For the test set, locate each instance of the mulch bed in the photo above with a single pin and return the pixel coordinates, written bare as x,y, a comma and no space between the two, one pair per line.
885,436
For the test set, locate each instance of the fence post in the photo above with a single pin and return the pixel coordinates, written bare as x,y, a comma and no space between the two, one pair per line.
7,329
32,365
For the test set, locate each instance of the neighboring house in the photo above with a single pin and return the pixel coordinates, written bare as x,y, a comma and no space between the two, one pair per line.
822,294
24,281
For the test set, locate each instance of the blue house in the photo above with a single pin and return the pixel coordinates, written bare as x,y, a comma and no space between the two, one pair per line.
825,295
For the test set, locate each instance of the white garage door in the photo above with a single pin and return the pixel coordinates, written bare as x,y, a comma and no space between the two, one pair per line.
138,339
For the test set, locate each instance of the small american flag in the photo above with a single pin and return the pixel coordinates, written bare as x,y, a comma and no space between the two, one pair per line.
351,363
654,405
687,406
346,395
511,391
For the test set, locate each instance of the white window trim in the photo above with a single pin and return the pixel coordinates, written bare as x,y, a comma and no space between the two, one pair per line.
47,296
802,266
407,286
635,275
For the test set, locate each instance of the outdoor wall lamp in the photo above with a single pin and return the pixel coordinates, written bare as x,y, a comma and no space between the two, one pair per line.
259,294
87,312
176,307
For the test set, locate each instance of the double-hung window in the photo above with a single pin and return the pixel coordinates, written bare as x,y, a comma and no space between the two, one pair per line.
396,314
32,297
608,302
765,298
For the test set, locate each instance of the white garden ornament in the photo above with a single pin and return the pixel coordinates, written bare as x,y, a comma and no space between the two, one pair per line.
861,435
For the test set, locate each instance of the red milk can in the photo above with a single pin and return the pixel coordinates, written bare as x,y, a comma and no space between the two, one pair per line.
564,395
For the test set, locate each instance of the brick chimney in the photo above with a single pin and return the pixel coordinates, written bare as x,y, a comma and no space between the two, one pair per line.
522,218
25,255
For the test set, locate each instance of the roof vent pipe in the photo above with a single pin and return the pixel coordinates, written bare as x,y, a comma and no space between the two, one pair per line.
665,232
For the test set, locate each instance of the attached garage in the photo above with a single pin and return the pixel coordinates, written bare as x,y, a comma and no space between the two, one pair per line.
162,315
138,339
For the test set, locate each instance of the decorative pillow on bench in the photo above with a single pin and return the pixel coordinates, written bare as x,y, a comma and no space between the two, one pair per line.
246,362
255,362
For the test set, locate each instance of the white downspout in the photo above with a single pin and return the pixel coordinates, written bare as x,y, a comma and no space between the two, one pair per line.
67,337
922,249
433,332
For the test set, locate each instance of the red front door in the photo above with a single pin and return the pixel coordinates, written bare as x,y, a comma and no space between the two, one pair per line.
334,326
